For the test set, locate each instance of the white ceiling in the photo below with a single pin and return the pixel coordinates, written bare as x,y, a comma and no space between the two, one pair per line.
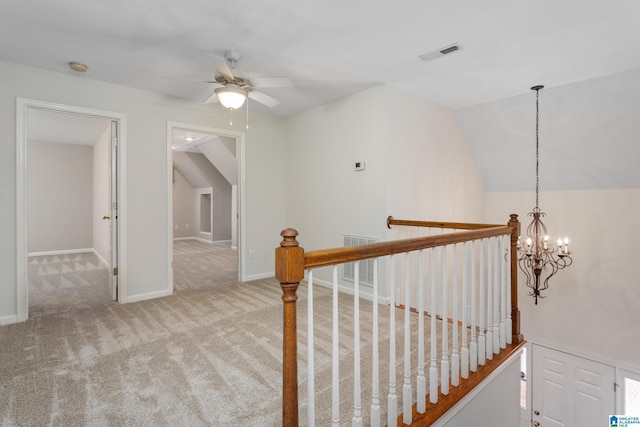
585,52
63,128
330,48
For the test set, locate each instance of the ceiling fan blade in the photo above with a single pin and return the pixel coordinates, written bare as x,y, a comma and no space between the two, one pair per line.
189,79
271,82
222,67
263,98
213,99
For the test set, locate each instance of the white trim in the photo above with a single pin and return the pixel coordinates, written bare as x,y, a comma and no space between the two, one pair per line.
62,252
22,107
200,239
477,389
240,149
212,242
261,276
7,320
150,295
101,258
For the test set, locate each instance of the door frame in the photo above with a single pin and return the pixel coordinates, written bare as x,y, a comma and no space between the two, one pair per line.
22,108
240,147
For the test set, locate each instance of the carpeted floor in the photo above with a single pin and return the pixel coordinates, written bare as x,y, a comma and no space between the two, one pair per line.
199,265
206,356
67,282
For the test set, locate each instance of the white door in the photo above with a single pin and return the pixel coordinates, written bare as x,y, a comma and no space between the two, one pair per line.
114,209
570,391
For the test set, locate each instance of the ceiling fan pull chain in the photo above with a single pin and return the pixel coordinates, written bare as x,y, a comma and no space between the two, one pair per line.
230,116
247,121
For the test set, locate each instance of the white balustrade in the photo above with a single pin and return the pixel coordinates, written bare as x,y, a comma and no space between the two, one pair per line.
311,393
375,370
480,309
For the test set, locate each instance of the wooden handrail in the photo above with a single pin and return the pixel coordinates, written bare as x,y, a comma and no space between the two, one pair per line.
434,224
291,261
325,257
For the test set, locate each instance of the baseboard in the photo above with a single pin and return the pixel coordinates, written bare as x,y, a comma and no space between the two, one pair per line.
183,238
63,252
144,297
222,241
7,320
259,276
101,259
365,293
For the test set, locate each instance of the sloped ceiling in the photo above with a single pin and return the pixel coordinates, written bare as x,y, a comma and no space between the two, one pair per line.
586,53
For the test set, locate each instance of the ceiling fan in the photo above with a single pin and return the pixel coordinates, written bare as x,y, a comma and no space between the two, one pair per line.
232,90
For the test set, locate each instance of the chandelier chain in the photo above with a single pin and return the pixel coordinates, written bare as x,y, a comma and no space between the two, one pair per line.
537,148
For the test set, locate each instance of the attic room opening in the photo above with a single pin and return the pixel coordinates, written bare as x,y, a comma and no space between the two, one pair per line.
205,188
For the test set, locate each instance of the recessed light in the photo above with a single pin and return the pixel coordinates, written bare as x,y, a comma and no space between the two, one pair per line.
78,66
189,138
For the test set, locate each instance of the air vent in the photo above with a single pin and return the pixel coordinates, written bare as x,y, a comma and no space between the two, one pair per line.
439,53
366,266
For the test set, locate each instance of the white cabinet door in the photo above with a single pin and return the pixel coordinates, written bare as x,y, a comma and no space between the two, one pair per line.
570,391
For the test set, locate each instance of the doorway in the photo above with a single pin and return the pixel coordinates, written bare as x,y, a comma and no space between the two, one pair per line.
205,166
69,218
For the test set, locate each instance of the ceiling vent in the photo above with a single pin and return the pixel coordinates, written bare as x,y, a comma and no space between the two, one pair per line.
439,53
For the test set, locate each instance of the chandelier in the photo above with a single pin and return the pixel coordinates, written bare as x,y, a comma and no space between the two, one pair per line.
539,258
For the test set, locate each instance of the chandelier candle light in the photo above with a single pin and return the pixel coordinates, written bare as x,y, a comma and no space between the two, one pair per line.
539,258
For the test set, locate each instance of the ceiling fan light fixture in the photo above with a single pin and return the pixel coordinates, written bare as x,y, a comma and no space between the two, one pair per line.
231,96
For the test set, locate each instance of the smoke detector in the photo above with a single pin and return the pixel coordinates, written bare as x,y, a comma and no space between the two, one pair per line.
439,53
78,66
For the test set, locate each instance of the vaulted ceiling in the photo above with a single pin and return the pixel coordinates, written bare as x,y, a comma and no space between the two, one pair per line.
331,49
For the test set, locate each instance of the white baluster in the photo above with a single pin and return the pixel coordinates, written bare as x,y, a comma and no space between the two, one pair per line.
509,324
407,393
421,382
375,392
455,356
356,420
392,397
311,393
497,278
473,348
464,354
433,368
482,352
503,293
429,290
444,364
335,367
489,313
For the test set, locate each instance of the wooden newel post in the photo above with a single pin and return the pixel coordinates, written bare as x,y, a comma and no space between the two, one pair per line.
514,223
289,272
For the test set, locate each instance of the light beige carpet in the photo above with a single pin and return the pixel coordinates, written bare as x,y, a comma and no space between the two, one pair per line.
202,357
199,265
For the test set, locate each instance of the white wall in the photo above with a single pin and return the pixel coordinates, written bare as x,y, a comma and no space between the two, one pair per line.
430,174
183,207
147,200
102,195
417,167
591,308
60,197
220,190
497,404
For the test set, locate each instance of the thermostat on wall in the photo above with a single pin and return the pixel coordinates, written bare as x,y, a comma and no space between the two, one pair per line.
358,166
